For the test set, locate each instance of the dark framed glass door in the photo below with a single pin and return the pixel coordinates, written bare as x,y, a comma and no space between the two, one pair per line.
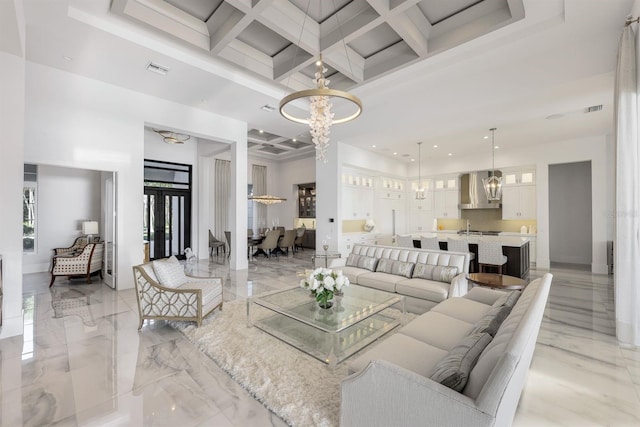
167,209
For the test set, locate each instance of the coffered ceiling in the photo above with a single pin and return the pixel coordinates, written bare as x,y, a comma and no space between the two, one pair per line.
360,40
438,71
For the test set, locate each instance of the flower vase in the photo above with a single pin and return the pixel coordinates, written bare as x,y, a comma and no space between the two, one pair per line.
325,304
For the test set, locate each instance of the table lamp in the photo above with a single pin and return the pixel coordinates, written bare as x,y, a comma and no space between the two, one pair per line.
89,228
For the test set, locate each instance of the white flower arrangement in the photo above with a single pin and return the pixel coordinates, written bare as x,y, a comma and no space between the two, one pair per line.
324,283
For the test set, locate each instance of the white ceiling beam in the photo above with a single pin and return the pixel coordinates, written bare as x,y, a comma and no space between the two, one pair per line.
351,66
412,27
291,60
247,57
225,25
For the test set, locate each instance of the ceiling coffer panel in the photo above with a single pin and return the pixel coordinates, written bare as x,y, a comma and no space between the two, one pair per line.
272,149
201,9
263,39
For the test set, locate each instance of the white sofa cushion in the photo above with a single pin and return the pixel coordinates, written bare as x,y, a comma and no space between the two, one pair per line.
362,261
404,351
424,289
352,273
383,281
437,330
463,309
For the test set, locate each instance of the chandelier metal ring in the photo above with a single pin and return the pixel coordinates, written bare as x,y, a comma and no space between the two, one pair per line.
332,93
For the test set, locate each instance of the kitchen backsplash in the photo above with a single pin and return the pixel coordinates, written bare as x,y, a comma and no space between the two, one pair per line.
486,220
307,222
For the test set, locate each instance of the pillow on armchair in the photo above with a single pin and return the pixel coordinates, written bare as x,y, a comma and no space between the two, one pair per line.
170,272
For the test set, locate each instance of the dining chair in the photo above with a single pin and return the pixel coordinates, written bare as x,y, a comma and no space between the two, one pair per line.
269,244
215,243
430,243
227,235
288,241
299,237
490,254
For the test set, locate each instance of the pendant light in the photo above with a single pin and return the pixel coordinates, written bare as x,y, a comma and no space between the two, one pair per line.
493,184
420,190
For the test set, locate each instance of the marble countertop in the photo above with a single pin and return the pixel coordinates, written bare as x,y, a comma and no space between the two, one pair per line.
506,240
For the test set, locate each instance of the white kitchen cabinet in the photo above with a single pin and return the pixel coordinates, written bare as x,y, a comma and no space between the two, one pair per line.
519,177
445,204
519,202
350,239
357,203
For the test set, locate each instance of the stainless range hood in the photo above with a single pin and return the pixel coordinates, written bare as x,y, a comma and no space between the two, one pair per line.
472,195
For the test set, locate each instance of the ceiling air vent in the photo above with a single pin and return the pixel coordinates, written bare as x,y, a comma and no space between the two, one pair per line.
593,108
157,68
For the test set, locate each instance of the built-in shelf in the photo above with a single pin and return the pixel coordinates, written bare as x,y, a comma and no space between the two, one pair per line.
307,200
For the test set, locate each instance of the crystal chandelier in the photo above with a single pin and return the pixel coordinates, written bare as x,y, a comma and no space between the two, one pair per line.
420,190
267,199
320,117
493,184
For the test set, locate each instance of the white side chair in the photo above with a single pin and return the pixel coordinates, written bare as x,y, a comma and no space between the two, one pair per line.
461,245
406,240
490,254
430,243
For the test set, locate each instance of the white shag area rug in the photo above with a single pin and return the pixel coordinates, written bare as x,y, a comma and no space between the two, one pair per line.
295,386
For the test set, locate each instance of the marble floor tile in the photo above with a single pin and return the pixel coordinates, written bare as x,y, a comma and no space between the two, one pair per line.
83,362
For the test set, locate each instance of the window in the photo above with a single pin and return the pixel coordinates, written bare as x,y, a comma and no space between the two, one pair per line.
29,208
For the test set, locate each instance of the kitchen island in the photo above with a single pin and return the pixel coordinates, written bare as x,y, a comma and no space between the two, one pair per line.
516,249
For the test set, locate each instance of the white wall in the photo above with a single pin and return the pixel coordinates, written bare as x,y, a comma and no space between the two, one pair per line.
570,213
75,121
65,197
289,174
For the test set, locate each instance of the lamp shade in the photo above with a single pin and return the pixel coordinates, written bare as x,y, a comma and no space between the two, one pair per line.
90,227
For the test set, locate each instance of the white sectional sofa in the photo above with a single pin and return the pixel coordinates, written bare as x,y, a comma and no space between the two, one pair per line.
409,272
399,382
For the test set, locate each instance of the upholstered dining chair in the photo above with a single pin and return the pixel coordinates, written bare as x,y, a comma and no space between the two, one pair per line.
490,254
430,243
227,235
215,243
288,241
299,237
84,264
461,245
270,243
405,240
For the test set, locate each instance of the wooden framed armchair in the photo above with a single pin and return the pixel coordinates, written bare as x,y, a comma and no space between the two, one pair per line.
77,246
84,264
181,297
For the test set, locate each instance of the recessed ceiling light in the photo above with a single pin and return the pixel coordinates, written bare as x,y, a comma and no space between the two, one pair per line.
485,137
435,146
157,68
373,146
268,108
260,131
450,154
294,140
413,160
496,147
554,116
395,153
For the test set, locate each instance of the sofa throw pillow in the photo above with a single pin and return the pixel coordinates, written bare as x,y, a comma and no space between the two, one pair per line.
170,272
491,321
454,369
399,268
440,273
509,299
362,261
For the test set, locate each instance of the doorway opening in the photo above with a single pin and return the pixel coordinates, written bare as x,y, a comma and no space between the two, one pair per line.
167,208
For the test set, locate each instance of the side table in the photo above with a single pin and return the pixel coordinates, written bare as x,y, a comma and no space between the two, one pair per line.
497,281
326,256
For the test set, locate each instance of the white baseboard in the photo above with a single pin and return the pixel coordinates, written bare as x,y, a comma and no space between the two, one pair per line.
599,268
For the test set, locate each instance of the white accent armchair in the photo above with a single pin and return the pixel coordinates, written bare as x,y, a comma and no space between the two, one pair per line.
192,300
84,264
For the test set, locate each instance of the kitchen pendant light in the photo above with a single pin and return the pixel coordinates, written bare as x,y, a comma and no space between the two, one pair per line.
493,184
420,190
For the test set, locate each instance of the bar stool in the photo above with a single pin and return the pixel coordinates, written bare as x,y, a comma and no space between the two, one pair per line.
430,243
461,245
490,254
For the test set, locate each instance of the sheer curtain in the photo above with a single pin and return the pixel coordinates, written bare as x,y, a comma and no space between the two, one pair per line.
259,179
627,247
222,196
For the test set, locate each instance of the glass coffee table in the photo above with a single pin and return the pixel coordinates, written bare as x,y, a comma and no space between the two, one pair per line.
329,335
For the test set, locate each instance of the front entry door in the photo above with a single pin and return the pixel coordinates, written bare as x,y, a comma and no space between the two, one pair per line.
167,221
